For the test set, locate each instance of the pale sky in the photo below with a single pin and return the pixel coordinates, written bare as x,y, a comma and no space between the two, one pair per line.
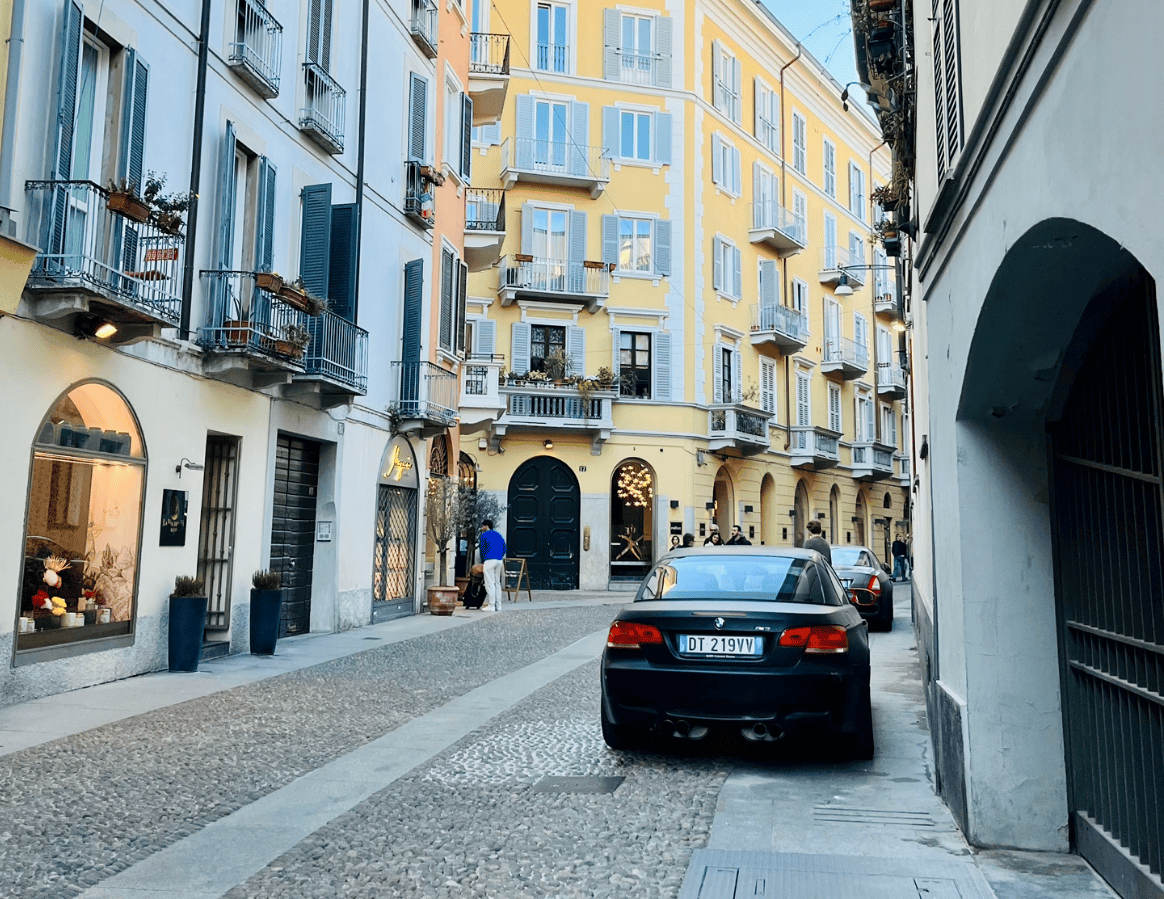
825,29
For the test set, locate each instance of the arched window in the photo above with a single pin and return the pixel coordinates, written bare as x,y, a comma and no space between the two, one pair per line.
888,501
82,536
438,457
632,520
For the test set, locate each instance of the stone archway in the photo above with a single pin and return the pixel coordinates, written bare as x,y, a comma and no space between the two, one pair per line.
769,513
834,531
860,520
724,496
802,510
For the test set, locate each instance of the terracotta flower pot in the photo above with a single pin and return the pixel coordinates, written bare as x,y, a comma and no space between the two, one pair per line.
442,600
126,204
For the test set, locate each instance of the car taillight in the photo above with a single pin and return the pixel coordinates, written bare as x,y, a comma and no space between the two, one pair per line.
820,638
631,635
874,585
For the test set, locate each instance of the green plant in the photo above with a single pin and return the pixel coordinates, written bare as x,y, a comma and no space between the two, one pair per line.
266,580
168,208
628,384
297,335
124,186
557,363
605,377
442,512
188,586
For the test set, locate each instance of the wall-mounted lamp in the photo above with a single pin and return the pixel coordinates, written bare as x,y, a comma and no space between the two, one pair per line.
900,327
709,505
674,504
791,513
89,325
747,509
186,463
821,515
548,444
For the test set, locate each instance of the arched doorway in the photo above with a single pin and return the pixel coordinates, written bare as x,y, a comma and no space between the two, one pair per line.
861,516
724,514
545,506
394,552
467,473
769,529
802,513
834,514
632,520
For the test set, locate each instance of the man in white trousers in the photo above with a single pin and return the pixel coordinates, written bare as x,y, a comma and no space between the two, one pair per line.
492,552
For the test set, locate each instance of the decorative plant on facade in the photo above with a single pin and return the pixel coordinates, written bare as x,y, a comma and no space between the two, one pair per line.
557,363
167,208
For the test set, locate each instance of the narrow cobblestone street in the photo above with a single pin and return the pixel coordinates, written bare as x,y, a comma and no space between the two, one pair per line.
416,769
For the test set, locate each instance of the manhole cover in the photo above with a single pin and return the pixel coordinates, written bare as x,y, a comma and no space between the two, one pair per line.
555,783
834,814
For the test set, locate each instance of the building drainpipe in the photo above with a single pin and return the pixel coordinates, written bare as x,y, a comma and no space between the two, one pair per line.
11,104
360,156
195,169
784,268
873,308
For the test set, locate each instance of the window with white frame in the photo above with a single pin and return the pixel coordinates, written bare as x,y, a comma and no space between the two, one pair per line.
830,241
864,428
727,374
800,299
856,191
888,426
634,135
637,244
830,168
726,82
454,281
799,143
634,244
726,267
880,273
835,423
768,385
551,31
725,164
767,115
856,249
637,48
832,328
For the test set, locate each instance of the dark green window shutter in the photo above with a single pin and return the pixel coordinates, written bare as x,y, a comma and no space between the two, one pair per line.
466,135
133,118
448,291
463,285
413,305
66,117
315,248
341,281
265,227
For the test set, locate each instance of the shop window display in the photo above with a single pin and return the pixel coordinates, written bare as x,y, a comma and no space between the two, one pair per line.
83,531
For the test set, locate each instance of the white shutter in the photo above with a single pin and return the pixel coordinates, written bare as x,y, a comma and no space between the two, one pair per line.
834,408
519,349
737,285
803,407
716,76
576,350
860,330
616,354
484,336
738,91
662,358
736,180
716,263
830,240
737,376
612,25
717,373
768,385
716,161
768,276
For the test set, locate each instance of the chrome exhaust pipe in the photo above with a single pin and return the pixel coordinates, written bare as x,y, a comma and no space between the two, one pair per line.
761,733
682,728
698,732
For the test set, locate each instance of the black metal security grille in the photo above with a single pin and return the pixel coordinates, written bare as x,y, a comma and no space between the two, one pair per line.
293,529
216,532
1110,549
394,556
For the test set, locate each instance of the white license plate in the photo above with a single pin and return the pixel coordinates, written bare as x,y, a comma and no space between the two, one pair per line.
720,645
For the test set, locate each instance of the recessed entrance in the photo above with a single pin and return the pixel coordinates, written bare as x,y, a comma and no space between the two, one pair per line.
632,520
543,523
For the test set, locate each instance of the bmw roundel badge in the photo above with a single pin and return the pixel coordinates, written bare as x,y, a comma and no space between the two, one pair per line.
719,624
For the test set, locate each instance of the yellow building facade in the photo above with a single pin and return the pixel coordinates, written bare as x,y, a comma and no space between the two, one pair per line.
689,321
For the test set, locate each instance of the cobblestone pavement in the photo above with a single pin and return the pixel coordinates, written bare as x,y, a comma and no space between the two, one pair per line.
79,809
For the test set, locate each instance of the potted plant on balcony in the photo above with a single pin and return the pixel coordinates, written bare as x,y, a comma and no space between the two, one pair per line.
266,609
124,200
442,512
187,623
271,282
557,363
293,342
167,209
297,295
890,237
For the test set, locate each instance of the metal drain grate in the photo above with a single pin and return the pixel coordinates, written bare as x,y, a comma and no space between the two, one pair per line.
555,783
835,814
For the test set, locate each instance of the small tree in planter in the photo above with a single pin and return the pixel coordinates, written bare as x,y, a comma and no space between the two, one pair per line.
442,511
266,610
187,623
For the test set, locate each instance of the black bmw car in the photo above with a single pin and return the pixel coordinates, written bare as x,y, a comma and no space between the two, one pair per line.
868,583
758,639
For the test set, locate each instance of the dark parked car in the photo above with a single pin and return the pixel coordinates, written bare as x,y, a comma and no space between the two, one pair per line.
868,582
758,639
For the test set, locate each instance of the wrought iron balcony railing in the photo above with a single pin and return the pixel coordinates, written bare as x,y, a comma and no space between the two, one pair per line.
484,209
790,323
557,162
845,352
322,116
638,68
243,317
533,274
488,54
425,391
338,351
424,26
257,48
482,376
90,248
837,260
419,202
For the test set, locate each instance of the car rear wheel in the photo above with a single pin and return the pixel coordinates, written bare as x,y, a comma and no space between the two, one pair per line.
863,747
620,736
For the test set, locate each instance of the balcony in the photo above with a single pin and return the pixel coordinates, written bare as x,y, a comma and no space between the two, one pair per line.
886,304
742,428
257,49
481,401
97,263
845,357
530,277
890,380
419,204
776,227
484,227
488,76
638,68
423,27
426,397
902,475
779,326
813,447
872,461
561,163
335,364
246,333
835,261
322,116
543,407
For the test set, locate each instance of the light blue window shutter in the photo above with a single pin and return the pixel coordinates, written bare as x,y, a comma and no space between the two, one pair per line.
738,283
66,118
577,251
417,118
737,82
736,182
758,109
462,293
466,135
341,272
716,161
133,118
315,246
663,52
768,275
225,235
523,153
663,137
737,376
717,373
616,354
561,62
716,266
610,135
610,239
484,337
520,348
413,309
265,226
527,229
611,39
662,250
717,75
663,365
491,134
576,348
580,134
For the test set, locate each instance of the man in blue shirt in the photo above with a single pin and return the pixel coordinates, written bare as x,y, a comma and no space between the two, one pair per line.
492,552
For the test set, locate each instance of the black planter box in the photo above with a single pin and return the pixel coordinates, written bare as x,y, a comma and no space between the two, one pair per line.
266,609
187,623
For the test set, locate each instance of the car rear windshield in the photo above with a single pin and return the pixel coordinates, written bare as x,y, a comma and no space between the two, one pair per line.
845,555
767,578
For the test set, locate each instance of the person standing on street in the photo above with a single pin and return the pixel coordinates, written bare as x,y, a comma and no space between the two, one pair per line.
817,541
900,564
492,552
713,536
737,538
688,540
